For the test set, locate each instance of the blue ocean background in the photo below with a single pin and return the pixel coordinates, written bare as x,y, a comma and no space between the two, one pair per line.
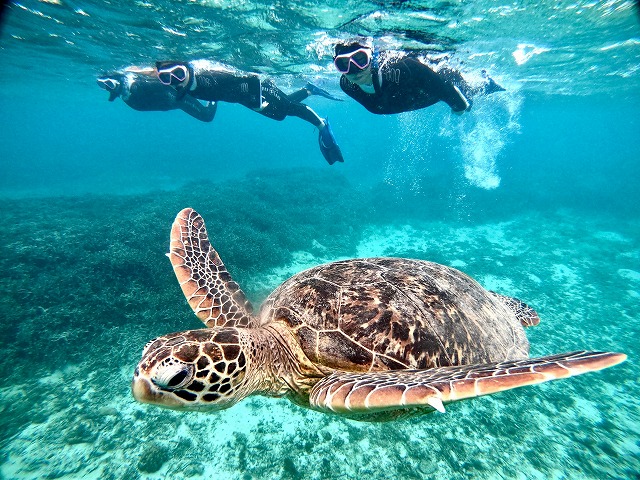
535,193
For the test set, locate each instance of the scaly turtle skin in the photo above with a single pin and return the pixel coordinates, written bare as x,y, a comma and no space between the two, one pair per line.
371,339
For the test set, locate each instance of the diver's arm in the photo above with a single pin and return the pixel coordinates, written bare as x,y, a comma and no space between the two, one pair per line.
368,100
352,89
193,107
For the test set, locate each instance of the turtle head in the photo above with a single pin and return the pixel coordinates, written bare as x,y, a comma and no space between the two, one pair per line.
194,370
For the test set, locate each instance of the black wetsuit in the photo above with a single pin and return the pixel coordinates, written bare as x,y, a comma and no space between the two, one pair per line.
218,82
404,84
145,93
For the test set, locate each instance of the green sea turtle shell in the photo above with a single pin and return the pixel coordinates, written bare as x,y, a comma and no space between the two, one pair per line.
389,313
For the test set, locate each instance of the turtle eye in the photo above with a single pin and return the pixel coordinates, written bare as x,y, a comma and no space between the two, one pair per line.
173,374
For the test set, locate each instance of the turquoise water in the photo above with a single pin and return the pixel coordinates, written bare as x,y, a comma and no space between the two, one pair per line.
535,193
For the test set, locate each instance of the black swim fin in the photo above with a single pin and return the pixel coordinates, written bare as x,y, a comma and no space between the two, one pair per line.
315,90
328,146
493,87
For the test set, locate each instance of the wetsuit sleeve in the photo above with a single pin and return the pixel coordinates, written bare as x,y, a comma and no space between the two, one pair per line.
369,101
193,107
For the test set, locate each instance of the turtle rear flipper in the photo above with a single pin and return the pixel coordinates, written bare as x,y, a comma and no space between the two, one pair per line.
363,393
527,316
211,292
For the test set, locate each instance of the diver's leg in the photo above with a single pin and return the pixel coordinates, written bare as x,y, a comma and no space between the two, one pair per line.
456,92
299,95
279,106
467,90
306,113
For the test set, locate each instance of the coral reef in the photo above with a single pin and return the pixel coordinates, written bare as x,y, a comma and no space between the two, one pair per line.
85,285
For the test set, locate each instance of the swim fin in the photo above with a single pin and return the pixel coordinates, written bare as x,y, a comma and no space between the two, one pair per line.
315,90
492,87
328,146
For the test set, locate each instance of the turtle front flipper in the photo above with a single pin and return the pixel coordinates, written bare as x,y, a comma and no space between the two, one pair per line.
527,316
359,394
211,292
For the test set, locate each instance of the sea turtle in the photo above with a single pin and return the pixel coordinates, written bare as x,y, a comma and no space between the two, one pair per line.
372,339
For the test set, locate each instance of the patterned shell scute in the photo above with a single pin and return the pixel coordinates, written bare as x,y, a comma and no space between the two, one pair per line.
387,314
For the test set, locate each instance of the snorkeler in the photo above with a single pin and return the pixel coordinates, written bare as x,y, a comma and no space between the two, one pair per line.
393,82
215,81
145,92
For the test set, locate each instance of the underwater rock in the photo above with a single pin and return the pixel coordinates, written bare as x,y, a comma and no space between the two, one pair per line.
80,432
153,458
289,469
108,411
193,470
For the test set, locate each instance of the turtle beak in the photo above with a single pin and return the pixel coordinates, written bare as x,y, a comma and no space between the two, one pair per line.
145,392
141,390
